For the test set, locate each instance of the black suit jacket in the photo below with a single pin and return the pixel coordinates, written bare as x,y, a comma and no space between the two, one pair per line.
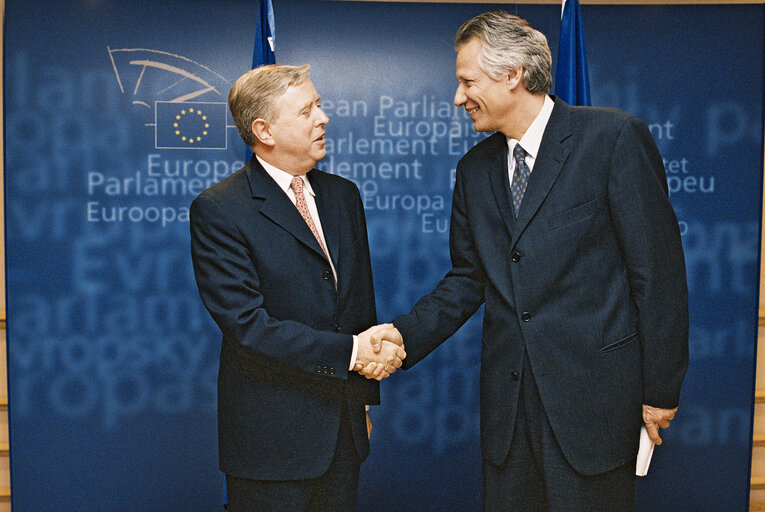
589,279
287,332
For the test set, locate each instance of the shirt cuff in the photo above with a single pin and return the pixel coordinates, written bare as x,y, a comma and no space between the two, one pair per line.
355,351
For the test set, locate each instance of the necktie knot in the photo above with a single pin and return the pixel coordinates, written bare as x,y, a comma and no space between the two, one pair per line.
519,153
297,185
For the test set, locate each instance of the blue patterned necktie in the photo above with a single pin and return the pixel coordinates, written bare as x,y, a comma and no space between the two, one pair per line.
520,177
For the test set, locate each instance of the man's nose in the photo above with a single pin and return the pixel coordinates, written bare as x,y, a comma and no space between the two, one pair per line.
459,97
322,119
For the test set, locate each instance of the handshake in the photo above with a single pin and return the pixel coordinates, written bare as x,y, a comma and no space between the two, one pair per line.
380,352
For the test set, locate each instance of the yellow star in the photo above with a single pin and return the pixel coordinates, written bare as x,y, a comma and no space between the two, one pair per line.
183,112
204,118
177,132
183,138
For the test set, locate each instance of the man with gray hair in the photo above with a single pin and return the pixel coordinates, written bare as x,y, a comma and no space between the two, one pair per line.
562,226
282,263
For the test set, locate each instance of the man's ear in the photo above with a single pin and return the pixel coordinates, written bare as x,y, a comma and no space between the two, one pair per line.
262,131
515,77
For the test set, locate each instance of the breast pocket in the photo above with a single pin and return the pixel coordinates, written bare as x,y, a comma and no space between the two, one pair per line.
575,214
621,343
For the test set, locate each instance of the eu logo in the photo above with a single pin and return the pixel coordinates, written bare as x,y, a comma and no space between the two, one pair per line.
190,125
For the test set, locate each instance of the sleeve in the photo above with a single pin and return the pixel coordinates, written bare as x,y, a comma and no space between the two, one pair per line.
228,283
438,315
649,236
354,353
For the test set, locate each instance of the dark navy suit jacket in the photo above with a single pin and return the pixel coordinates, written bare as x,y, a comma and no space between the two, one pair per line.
589,279
287,332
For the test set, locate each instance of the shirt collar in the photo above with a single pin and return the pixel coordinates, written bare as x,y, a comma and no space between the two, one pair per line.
284,179
532,139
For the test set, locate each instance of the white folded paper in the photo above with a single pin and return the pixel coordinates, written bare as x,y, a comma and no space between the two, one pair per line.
644,453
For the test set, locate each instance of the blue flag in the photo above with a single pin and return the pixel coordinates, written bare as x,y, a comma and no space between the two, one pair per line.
190,125
265,38
264,49
572,83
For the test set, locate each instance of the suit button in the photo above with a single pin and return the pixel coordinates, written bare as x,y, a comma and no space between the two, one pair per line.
514,375
526,316
331,371
337,328
326,275
516,256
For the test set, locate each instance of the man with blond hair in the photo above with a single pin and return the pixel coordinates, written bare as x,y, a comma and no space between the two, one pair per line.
281,259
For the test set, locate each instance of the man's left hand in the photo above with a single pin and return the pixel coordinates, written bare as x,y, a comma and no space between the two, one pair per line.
655,418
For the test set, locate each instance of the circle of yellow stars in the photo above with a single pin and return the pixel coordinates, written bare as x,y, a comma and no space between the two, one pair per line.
191,111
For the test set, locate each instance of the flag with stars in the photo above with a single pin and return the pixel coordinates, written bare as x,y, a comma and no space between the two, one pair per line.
190,125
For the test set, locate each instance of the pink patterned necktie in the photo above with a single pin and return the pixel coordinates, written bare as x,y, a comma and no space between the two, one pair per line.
297,187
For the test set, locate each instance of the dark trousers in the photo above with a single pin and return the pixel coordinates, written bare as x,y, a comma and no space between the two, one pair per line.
334,491
536,475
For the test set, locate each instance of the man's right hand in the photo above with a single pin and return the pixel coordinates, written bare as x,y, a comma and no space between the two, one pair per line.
384,332
380,352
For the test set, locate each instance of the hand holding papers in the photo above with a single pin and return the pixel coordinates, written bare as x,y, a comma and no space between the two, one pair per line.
653,419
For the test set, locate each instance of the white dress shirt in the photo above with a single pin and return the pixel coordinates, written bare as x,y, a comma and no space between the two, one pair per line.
531,140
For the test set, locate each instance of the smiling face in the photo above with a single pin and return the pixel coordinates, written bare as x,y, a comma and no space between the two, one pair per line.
298,129
489,101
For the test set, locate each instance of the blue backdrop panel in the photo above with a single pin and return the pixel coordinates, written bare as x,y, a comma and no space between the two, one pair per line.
112,358
705,103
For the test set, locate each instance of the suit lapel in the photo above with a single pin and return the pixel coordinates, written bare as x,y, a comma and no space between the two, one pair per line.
500,184
553,153
277,206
